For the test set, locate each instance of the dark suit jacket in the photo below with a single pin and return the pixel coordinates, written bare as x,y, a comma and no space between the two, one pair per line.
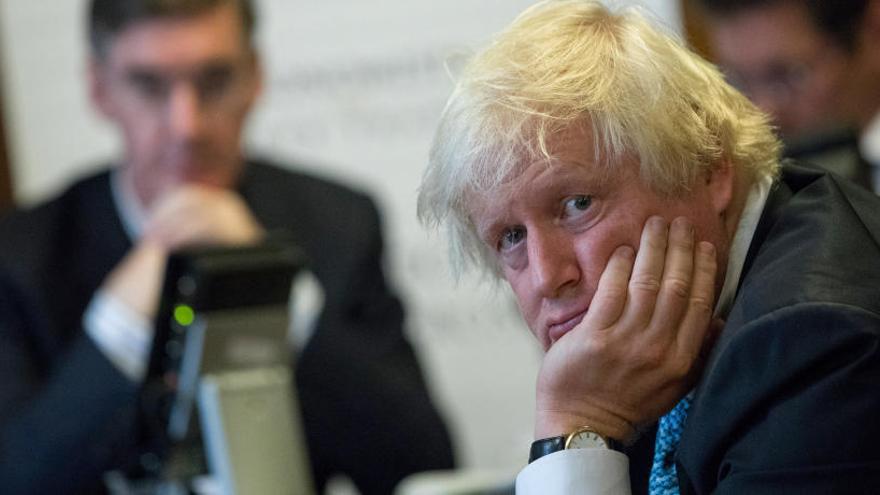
66,414
790,399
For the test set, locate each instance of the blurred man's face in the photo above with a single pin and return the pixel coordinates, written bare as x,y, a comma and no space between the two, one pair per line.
554,228
785,64
179,89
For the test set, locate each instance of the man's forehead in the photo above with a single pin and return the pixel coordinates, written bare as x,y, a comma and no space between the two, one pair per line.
569,158
766,32
180,41
531,184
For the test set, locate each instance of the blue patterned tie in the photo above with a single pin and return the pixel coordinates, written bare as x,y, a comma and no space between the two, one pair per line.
664,479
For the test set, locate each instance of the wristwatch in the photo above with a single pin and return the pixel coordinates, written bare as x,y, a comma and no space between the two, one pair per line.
585,437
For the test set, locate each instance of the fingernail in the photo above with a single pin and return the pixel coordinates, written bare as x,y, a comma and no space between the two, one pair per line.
683,225
707,248
626,252
657,223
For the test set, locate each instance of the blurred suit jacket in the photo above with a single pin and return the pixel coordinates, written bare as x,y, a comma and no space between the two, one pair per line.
66,414
835,150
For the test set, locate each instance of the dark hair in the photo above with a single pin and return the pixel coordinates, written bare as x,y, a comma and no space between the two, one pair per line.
107,18
840,19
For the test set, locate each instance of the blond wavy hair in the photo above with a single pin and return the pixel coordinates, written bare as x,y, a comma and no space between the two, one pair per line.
573,62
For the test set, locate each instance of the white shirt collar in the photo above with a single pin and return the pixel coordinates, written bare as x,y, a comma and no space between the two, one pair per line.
129,208
742,239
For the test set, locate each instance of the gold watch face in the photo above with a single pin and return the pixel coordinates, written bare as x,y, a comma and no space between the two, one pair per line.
586,439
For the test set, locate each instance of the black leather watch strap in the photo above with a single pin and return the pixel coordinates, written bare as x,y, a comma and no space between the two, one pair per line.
545,446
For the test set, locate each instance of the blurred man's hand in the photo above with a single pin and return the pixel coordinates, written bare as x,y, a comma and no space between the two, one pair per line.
201,215
188,216
137,279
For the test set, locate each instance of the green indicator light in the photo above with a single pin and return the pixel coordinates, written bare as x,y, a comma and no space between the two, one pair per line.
184,315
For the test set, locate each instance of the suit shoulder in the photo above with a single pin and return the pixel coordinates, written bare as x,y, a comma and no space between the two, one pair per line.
312,196
815,248
29,233
304,182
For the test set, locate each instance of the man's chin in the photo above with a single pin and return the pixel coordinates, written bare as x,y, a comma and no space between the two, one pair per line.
153,183
203,176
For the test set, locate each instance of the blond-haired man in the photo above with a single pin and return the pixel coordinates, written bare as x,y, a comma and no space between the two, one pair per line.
670,266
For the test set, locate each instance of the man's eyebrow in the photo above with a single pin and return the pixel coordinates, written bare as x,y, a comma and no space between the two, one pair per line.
140,71
486,230
143,75
216,65
156,71
585,173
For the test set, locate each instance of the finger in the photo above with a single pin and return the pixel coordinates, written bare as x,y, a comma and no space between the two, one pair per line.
675,285
168,216
171,201
644,285
191,234
185,200
177,233
180,214
611,292
696,323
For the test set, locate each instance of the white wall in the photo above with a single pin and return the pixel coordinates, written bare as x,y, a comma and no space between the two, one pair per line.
355,89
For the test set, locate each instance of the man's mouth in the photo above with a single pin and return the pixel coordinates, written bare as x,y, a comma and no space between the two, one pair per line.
555,331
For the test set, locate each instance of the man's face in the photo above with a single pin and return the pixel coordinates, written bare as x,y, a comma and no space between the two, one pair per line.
554,228
788,67
179,89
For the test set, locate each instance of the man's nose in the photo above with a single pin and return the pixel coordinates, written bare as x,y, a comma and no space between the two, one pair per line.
553,262
185,119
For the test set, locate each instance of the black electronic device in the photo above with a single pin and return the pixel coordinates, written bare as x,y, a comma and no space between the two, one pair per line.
203,280
222,320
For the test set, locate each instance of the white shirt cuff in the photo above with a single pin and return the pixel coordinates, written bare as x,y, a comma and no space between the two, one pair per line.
576,471
122,334
306,304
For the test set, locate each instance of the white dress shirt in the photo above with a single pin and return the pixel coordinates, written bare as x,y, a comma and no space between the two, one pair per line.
606,472
869,146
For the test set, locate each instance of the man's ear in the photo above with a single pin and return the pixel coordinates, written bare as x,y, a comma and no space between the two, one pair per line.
99,88
721,181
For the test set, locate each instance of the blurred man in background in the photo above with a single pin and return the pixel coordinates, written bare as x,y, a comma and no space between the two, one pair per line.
814,66
80,275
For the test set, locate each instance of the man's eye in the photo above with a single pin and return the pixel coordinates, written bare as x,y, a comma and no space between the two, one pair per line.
148,86
577,204
215,83
511,237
